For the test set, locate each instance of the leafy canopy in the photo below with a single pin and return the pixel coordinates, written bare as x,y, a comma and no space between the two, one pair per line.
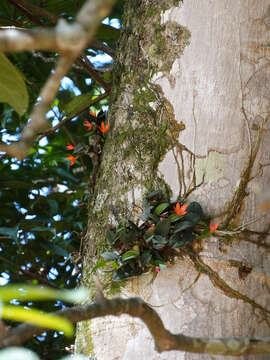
43,198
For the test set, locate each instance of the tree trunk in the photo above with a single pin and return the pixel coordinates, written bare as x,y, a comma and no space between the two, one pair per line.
190,113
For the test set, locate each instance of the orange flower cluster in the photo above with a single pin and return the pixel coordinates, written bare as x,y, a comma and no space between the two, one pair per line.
103,128
92,113
70,146
72,159
88,125
180,210
213,227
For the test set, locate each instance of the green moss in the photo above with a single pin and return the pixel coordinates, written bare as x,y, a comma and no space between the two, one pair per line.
143,123
84,344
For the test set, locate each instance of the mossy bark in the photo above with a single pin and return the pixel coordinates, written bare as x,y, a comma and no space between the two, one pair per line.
142,121
143,127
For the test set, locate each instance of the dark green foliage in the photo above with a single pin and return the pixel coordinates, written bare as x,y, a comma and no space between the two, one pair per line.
163,227
152,243
43,200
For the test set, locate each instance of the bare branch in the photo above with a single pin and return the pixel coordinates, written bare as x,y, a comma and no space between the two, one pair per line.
98,45
25,11
164,339
72,39
16,39
34,10
86,64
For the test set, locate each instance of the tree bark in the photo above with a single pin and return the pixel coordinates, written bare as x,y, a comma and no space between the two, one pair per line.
189,114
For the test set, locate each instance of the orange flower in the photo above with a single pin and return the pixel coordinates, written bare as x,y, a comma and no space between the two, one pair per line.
180,210
104,128
93,114
70,146
72,159
213,226
88,125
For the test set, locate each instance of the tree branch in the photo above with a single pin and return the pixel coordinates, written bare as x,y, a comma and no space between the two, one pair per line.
16,39
34,10
72,39
25,11
164,339
28,273
98,45
86,64
27,7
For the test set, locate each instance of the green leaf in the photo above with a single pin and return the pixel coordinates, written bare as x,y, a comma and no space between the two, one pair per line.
133,226
204,234
125,272
146,213
10,232
154,218
36,317
162,266
195,207
53,206
159,242
100,264
193,218
77,104
58,250
160,208
24,292
174,217
163,227
146,258
130,254
188,236
110,255
12,86
157,194
174,239
44,228
127,237
149,236
186,224
110,235
177,241
63,173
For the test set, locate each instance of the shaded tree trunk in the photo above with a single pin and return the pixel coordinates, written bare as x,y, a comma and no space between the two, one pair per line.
190,112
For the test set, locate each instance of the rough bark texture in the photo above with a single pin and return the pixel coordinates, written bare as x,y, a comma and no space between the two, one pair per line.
190,112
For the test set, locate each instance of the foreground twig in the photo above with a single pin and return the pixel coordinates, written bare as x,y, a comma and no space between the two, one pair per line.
164,339
72,39
16,39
